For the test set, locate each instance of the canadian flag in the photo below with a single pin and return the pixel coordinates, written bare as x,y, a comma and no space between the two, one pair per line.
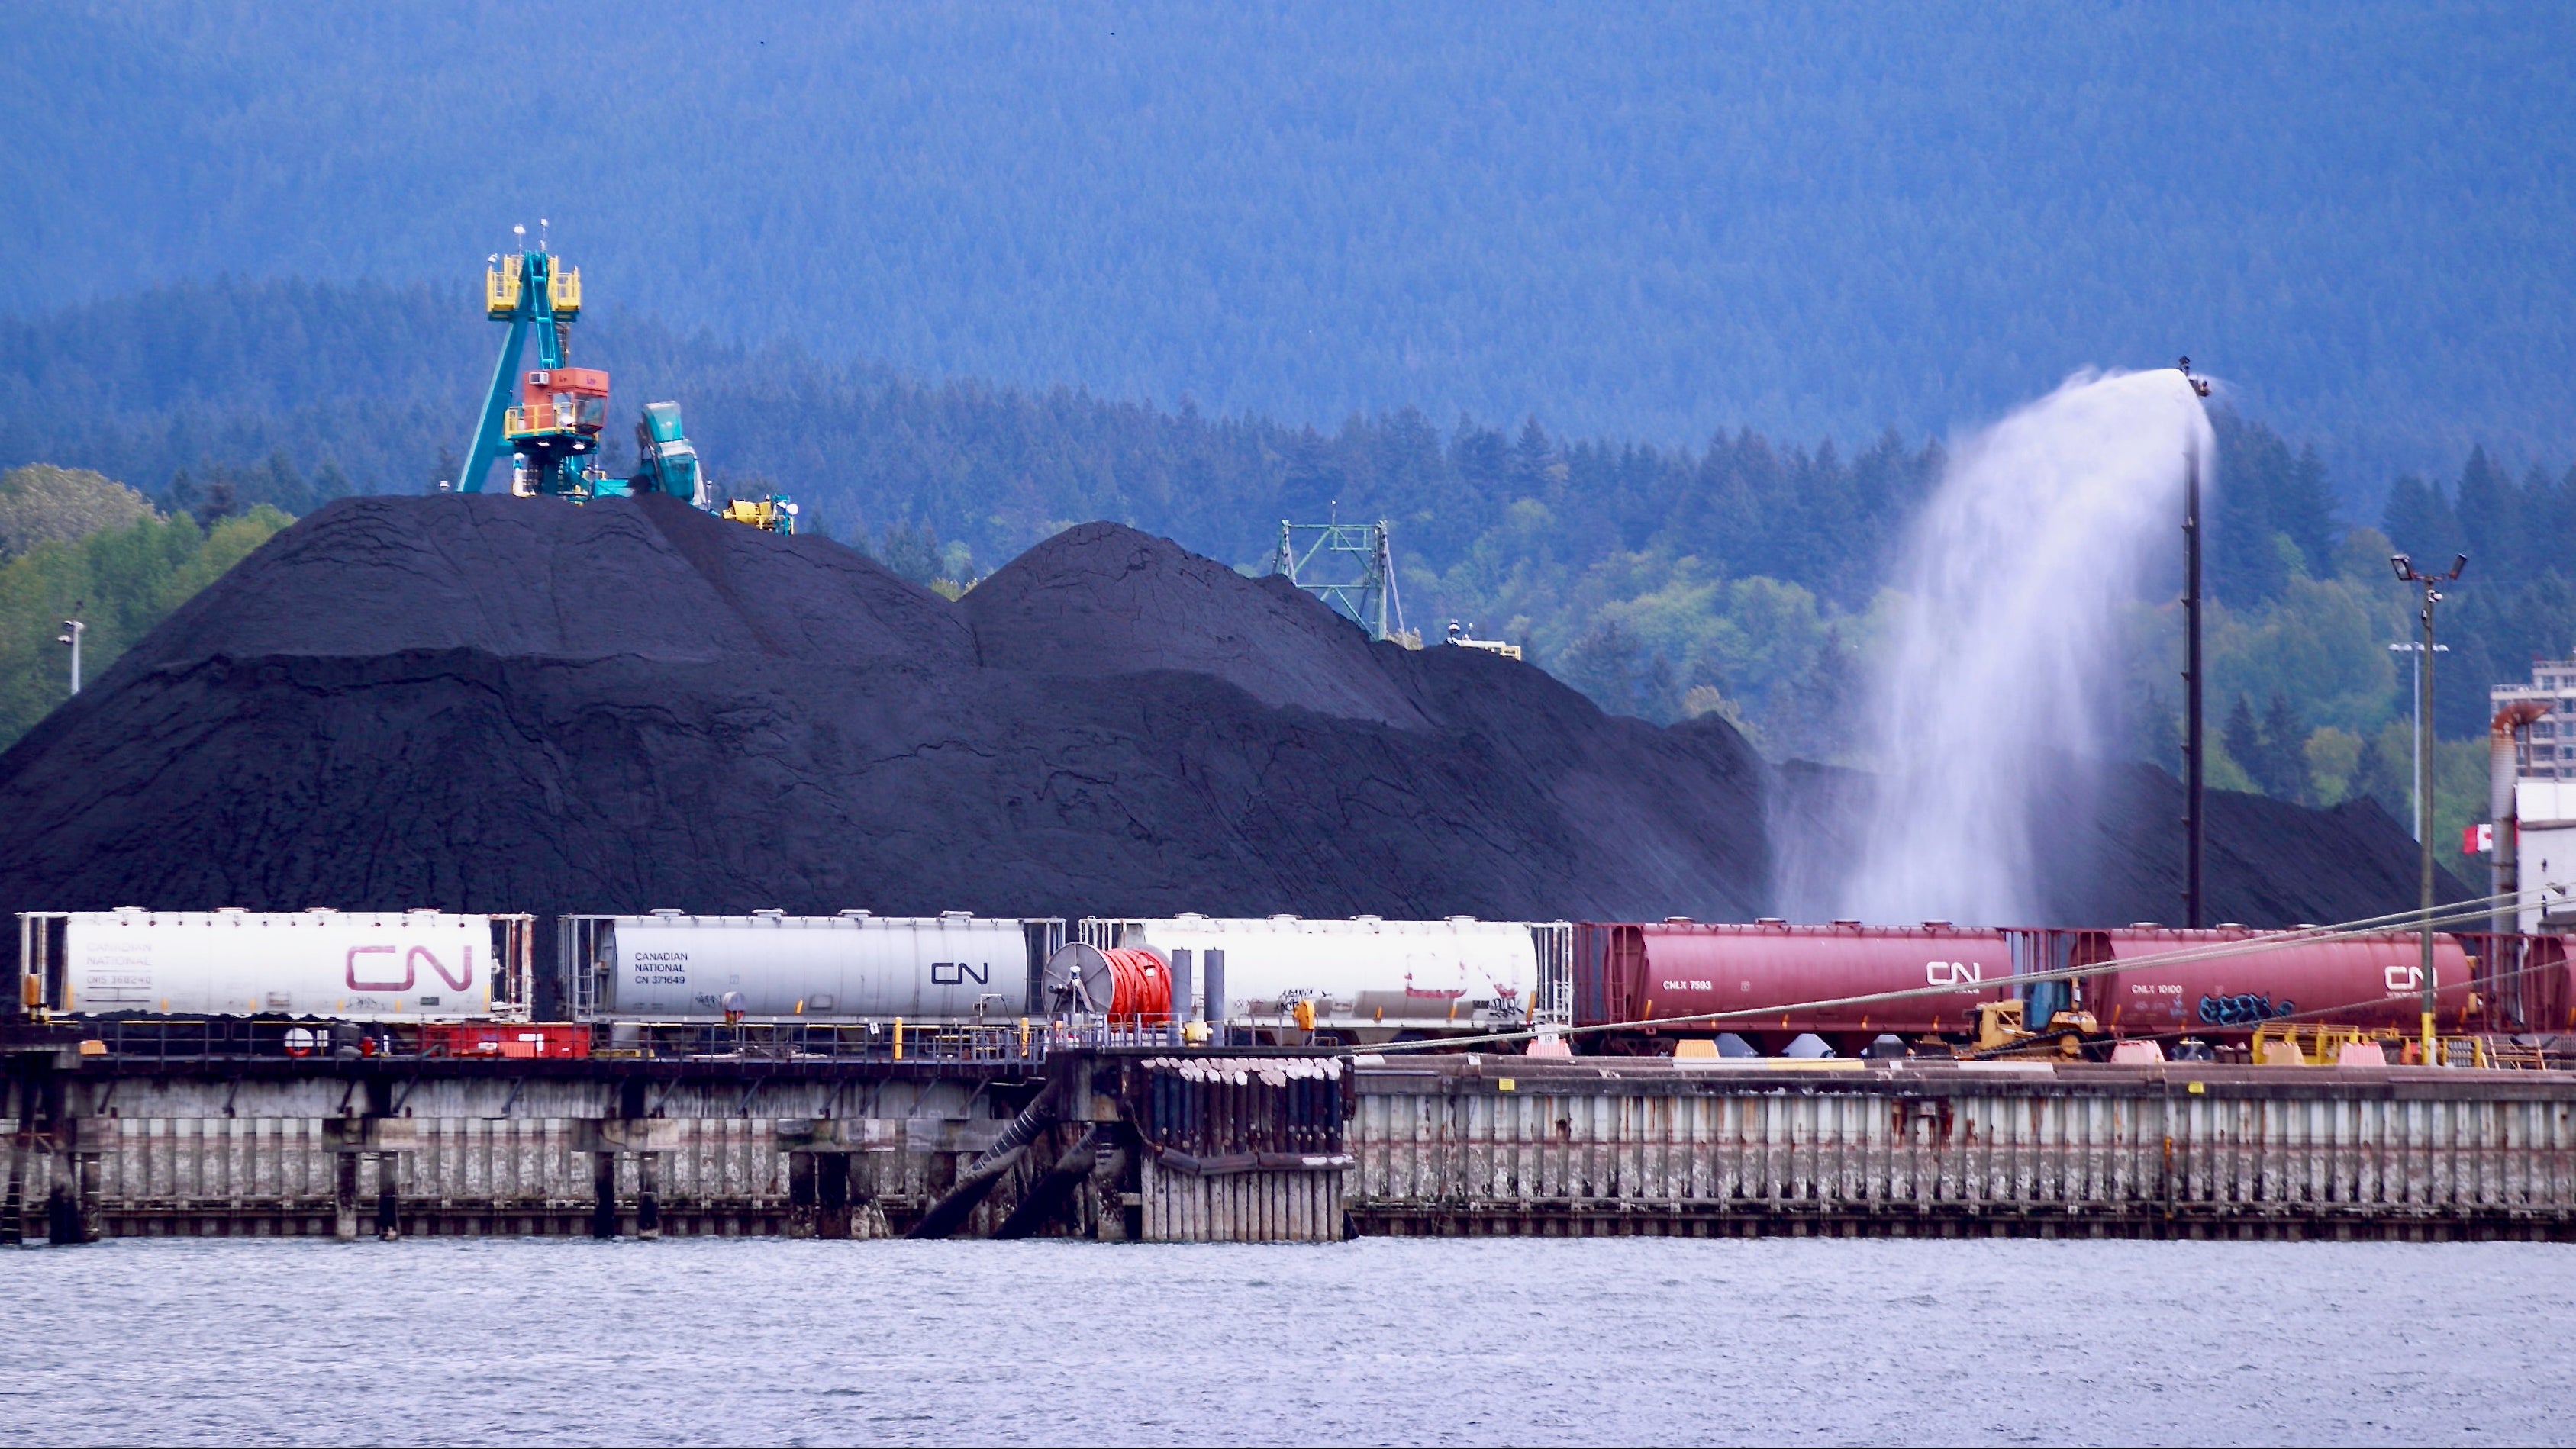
2477,840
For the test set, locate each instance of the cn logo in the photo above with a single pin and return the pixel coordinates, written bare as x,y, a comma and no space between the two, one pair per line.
410,968
1953,973
2403,979
958,973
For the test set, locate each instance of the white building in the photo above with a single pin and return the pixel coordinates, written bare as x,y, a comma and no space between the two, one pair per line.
2548,748
2545,813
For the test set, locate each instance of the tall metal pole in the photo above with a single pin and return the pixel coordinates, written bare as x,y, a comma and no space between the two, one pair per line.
2429,592
2424,801
2192,727
2415,728
74,629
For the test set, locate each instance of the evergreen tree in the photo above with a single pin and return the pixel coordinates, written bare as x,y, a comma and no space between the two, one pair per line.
2243,738
2387,773
2304,508
2420,522
2282,766
2489,509
912,553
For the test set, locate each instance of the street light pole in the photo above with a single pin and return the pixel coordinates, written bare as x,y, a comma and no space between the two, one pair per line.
2192,729
71,635
2415,707
2428,586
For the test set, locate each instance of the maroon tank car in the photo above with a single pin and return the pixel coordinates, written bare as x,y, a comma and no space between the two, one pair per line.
1752,980
2373,982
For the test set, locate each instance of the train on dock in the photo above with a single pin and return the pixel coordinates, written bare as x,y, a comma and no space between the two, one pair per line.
1640,986
670,981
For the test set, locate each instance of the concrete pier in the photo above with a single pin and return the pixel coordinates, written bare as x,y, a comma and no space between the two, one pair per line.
410,1147
1165,1145
1509,1145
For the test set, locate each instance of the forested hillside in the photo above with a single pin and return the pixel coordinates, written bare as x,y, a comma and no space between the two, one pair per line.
1741,575
1645,222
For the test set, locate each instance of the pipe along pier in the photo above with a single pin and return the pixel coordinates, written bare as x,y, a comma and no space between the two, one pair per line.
1168,1144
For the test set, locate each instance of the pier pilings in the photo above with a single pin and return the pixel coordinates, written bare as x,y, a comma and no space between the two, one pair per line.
1181,1145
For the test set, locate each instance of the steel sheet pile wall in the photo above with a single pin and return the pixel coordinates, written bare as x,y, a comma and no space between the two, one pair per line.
1516,1146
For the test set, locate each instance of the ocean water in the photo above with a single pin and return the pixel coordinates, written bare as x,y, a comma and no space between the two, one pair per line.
1606,1341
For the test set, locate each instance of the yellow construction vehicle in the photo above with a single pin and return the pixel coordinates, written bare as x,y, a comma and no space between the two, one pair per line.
773,514
2002,1033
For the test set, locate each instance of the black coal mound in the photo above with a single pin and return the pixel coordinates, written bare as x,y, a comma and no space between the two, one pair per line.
2115,855
486,703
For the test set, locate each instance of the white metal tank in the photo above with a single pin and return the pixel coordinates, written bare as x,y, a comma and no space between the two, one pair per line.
1369,979
352,966
670,966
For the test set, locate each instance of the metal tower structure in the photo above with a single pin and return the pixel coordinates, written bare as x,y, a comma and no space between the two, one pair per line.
552,436
1350,566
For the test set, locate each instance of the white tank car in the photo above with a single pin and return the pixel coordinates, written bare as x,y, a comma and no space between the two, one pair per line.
671,966
394,966
1370,979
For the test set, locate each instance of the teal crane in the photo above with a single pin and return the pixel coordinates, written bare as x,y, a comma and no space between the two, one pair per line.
551,434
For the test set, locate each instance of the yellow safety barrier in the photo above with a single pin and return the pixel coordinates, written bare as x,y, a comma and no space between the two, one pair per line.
501,289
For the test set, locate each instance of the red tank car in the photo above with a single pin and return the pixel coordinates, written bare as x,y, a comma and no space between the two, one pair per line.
2373,982
1735,975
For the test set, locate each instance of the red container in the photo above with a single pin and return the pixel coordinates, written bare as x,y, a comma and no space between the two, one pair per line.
2360,981
1755,979
505,1039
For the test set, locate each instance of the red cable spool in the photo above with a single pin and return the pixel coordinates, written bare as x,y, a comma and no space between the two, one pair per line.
1142,988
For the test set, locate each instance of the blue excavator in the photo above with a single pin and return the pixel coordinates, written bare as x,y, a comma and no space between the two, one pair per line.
551,434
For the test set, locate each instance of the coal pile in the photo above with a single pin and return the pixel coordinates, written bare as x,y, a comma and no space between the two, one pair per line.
486,703
2114,855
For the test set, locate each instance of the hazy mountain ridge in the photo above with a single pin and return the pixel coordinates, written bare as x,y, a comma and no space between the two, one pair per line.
1652,224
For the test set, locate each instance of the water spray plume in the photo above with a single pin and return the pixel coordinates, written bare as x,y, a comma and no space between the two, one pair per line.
2006,664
